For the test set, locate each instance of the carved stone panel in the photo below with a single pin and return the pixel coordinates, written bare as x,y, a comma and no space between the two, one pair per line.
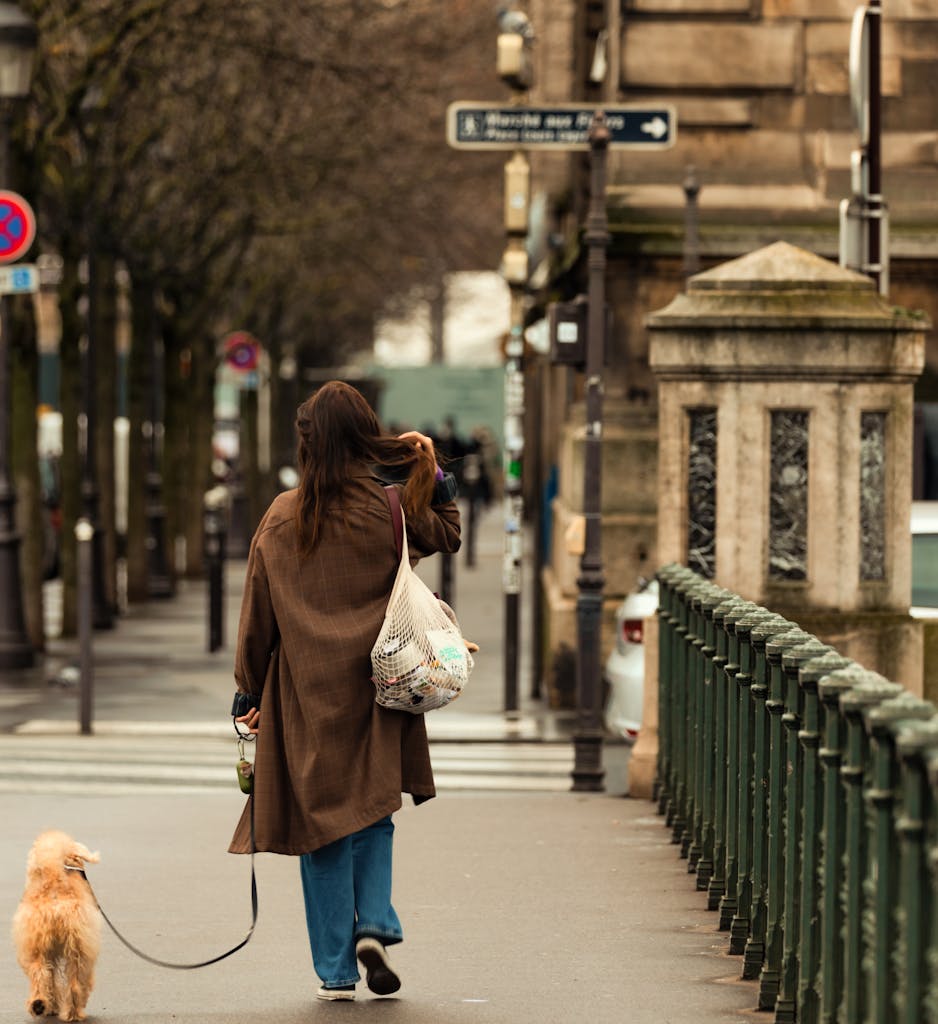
702,491
872,496
788,496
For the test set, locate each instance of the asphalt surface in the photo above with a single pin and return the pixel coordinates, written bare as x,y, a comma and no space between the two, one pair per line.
520,903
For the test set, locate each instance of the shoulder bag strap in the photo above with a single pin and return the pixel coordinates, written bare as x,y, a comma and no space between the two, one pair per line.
394,501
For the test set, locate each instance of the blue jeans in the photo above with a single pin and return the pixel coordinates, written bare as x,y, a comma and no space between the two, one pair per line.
347,891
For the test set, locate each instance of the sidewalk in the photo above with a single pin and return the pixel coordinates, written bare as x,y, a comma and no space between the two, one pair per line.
517,907
155,666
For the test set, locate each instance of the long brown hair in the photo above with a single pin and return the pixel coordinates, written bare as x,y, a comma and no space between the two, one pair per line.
336,428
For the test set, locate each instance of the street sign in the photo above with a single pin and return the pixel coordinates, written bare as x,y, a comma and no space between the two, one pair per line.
563,126
17,226
241,351
21,277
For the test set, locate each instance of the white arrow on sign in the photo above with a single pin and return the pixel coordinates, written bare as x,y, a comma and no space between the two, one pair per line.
656,127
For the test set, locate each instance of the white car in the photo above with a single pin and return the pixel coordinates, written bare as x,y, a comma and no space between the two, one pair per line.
925,559
624,670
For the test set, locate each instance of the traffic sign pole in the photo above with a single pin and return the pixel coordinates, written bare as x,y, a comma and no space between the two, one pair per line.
873,147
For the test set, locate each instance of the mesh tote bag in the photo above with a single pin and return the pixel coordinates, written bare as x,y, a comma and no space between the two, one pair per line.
419,661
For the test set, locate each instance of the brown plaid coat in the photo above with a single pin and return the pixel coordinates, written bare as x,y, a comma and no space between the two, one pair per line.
329,760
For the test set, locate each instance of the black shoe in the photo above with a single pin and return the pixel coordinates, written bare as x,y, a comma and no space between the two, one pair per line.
379,974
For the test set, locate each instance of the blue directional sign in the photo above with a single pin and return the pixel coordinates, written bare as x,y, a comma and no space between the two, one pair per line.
563,126
19,277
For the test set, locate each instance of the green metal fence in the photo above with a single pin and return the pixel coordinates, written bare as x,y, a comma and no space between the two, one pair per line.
803,791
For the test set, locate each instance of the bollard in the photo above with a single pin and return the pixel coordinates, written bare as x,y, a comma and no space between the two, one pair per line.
792,660
871,690
812,824
716,890
830,690
84,535
745,627
916,746
728,904
882,883
214,508
447,591
472,491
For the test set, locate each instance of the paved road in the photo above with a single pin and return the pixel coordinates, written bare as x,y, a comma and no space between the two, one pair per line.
518,908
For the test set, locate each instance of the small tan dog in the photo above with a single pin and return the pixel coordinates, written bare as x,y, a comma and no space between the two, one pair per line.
57,928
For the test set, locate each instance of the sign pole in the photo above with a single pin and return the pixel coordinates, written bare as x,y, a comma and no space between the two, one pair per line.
874,200
588,739
515,266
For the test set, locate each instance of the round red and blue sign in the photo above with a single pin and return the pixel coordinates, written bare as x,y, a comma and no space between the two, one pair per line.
17,226
241,351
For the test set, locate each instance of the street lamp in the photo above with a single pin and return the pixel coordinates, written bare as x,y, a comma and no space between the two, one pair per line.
18,38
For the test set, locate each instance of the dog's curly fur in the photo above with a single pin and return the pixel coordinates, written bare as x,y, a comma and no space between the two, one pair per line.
57,928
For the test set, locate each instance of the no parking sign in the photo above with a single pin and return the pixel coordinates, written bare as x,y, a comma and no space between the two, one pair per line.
17,226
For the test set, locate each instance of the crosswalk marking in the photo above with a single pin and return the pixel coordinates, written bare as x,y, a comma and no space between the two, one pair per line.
118,764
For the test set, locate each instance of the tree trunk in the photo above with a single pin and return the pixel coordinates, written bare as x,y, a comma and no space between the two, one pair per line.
138,397
25,473
105,396
69,359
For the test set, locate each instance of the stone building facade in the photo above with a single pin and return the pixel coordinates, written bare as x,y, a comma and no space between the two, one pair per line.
762,94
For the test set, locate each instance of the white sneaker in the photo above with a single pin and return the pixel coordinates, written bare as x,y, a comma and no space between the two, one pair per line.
335,994
379,974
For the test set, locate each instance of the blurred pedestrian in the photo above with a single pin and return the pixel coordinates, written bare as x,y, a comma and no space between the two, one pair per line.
331,764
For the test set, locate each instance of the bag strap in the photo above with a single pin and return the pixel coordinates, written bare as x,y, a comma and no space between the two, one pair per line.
397,518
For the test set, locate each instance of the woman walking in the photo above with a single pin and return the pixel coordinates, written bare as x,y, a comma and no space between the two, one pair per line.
331,764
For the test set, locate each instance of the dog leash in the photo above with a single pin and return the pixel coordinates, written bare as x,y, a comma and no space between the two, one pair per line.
185,967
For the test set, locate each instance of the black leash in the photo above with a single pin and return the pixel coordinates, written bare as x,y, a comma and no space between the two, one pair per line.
203,963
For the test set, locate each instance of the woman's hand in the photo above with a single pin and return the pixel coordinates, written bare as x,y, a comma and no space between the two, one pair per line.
251,721
419,440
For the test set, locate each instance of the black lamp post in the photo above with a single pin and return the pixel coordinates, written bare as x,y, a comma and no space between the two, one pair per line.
588,769
18,38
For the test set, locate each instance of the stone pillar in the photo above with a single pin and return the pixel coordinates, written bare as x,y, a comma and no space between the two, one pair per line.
629,453
785,442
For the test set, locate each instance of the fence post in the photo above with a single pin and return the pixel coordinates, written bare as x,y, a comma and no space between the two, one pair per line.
764,950
695,639
717,888
728,904
677,696
882,983
916,744
664,792
708,602
792,660
812,841
833,754
870,691
681,692
746,629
